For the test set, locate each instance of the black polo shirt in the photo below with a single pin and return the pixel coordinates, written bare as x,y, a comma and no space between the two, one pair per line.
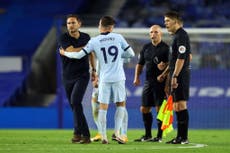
180,49
152,55
72,68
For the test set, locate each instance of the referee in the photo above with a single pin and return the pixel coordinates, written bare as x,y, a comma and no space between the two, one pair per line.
179,74
154,56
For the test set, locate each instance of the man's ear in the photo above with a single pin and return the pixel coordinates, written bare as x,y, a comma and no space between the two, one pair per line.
79,22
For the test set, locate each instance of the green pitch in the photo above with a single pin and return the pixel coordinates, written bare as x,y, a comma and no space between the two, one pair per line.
58,141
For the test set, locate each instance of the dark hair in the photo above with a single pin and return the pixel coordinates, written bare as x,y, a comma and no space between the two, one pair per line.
174,15
107,21
73,16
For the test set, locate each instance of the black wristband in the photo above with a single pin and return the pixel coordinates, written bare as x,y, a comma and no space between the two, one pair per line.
174,76
93,69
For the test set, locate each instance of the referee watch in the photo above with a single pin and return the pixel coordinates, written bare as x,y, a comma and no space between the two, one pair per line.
174,76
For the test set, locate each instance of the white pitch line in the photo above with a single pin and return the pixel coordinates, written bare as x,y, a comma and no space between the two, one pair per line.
196,145
105,147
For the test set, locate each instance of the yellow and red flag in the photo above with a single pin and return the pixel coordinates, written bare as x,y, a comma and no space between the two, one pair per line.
165,115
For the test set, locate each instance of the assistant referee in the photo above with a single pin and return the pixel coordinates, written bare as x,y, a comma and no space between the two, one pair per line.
179,74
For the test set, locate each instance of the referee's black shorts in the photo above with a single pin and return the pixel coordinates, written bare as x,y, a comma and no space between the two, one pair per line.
153,94
182,91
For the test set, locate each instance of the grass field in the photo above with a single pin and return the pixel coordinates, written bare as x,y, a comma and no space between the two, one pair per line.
58,141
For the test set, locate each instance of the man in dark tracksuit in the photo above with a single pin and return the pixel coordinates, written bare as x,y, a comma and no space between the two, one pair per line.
76,76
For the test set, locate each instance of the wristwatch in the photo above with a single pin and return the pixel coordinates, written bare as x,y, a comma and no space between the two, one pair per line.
174,76
93,69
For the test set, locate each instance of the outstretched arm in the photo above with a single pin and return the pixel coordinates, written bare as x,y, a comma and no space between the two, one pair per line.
73,49
77,55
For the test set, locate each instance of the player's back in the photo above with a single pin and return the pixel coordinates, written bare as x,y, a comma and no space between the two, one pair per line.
108,48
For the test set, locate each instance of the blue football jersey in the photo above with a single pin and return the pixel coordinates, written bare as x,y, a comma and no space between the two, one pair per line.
108,49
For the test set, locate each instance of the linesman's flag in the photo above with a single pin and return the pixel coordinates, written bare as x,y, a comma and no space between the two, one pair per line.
165,115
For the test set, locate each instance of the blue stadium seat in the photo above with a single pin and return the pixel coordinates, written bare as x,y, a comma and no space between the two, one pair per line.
24,24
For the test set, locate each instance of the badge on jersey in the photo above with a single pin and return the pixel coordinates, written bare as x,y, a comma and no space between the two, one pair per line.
156,60
170,49
182,49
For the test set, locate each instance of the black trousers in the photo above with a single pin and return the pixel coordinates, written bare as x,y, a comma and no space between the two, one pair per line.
75,90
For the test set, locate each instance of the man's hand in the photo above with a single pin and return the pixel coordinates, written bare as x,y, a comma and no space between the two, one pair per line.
95,82
62,51
174,83
161,78
136,82
161,66
94,76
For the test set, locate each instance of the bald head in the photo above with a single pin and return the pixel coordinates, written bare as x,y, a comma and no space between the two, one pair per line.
155,34
156,27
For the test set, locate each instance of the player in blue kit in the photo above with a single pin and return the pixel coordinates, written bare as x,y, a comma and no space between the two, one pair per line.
95,108
109,49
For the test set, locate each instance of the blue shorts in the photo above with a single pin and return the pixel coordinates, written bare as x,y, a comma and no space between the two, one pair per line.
112,92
